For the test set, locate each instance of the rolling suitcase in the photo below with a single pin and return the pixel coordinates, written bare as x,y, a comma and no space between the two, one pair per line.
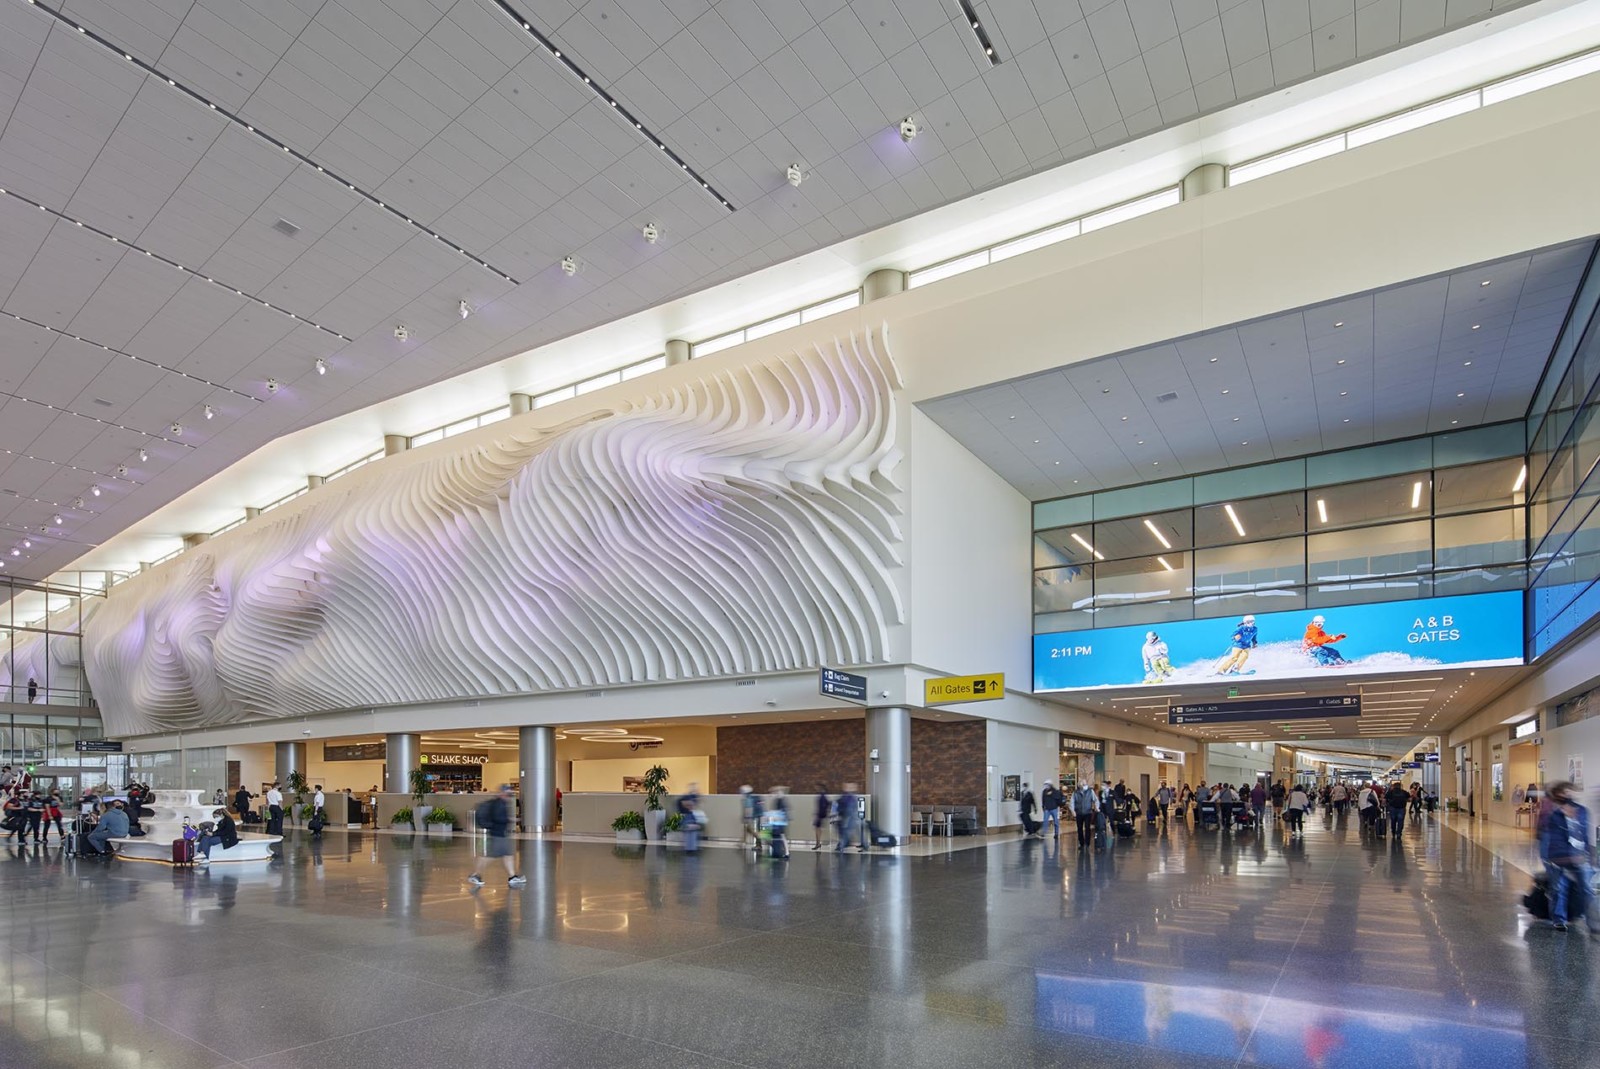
183,852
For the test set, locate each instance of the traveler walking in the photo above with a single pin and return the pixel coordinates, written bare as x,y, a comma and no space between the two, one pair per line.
821,817
850,824
690,819
241,803
1025,807
494,817
777,814
1163,801
1050,804
33,690
749,815
1258,802
1294,812
1397,798
1084,807
52,813
1564,846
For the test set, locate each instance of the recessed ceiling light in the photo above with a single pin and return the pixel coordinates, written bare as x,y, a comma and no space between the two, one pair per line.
1461,395
1141,441
1347,421
1340,323
1036,441
1485,282
1224,391
1344,393
1236,419
1477,326
1213,360
1339,361
1124,419
1454,422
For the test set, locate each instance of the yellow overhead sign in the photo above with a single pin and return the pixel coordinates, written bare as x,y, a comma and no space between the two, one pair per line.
951,689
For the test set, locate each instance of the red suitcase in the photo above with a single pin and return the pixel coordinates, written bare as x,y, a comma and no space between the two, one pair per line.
183,851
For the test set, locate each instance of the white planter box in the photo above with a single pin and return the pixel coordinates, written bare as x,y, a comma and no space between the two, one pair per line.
630,836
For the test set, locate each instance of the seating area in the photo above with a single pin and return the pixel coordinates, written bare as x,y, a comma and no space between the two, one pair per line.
944,820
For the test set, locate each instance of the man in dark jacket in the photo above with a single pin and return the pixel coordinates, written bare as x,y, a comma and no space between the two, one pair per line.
1050,802
1565,847
1025,807
1395,799
494,817
241,802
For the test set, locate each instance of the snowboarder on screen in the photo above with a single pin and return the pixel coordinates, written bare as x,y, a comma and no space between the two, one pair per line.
1244,640
1319,644
1156,665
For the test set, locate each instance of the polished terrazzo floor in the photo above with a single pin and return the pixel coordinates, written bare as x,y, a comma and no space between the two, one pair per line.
1188,950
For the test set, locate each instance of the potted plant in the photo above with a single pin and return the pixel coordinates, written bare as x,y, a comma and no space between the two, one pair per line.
654,782
440,820
401,818
629,827
296,782
418,779
672,828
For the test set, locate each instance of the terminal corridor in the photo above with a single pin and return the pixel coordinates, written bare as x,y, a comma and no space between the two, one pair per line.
1189,949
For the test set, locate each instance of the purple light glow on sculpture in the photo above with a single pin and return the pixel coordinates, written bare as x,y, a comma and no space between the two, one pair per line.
747,522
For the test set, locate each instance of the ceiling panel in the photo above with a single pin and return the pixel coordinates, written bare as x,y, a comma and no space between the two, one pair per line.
1371,367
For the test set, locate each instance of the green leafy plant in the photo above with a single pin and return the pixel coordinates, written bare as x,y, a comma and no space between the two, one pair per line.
655,786
296,782
440,815
420,785
306,811
632,820
673,823
401,816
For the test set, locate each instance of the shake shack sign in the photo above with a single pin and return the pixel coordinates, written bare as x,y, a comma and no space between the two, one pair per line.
455,758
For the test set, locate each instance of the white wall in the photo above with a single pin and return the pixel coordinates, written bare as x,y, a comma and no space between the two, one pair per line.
967,539
1014,750
606,775
1232,763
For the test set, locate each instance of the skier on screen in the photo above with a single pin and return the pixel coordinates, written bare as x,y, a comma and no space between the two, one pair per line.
1156,664
1319,644
1244,640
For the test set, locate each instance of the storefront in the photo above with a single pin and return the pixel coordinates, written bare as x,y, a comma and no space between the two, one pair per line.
1082,761
455,773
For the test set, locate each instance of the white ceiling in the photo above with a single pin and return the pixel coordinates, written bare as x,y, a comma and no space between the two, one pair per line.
468,143
1368,368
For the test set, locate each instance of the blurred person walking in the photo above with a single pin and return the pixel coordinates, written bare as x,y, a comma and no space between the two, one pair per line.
494,817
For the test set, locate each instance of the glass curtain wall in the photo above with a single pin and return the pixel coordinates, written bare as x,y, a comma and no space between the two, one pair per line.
1410,519
41,657
1563,447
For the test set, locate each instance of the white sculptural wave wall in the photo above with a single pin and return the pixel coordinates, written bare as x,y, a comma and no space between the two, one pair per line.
745,522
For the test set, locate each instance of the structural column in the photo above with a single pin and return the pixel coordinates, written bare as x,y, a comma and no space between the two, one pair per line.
889,768
401,753
537,759
677,351
291,758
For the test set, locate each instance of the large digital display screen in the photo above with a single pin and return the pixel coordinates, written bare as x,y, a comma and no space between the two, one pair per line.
1465,631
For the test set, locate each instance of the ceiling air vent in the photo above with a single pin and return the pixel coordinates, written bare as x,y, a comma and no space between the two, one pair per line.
283,226
103,401
1164,398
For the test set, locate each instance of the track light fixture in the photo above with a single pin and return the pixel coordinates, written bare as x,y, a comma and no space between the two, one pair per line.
651,233
272,385
569,266
27,543
144,456
77,503
210,412
322,366
57,520
908,129
464,308
401,331
122,471
95,489
796,175
176,429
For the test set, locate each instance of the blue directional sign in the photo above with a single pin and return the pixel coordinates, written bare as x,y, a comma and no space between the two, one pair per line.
832,683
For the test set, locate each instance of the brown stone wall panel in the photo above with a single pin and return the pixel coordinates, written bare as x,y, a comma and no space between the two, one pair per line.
798,755
947,764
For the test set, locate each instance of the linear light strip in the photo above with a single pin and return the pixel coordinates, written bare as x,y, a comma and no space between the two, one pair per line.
133,356
606,96
250,128
191,272
95,419
980,32
74,467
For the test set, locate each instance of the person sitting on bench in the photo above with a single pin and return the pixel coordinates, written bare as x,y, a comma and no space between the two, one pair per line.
113,825
226,835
